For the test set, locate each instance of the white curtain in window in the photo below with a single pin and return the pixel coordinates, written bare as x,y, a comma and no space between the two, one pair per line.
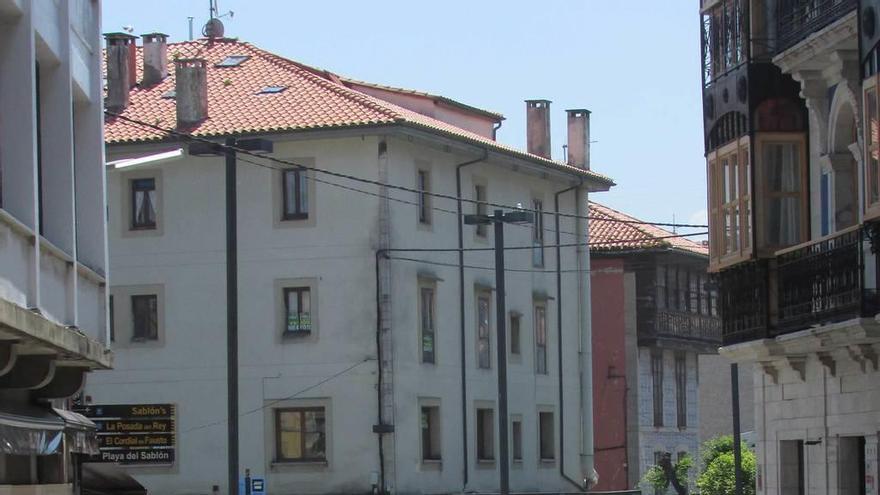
783,185
290,192
303,192
145,201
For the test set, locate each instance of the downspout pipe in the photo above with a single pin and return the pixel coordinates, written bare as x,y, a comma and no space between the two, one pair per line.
495,130
559,335
380,254
586,344
461,313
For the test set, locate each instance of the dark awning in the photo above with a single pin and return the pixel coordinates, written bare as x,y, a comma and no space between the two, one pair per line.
108,479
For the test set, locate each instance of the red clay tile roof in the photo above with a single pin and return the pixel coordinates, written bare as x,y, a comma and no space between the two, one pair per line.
606,227
313,99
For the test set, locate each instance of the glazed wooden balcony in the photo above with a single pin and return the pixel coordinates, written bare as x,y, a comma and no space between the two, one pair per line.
811,284
797,19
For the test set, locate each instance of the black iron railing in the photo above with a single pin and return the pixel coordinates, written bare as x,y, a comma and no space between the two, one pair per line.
688,326
743,298
820,282
797,19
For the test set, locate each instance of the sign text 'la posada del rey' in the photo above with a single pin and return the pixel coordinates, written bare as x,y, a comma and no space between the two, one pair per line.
133,433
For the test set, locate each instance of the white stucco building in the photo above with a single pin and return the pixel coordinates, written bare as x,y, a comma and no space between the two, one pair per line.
53,256
360,369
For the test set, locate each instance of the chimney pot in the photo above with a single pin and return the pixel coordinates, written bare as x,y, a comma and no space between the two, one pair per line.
155,58
191,87
120,69
579,138
538,127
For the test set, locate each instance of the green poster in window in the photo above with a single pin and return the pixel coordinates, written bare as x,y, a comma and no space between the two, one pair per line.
299,322
428,343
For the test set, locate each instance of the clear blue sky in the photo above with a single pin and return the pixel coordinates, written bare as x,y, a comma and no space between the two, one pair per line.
634,64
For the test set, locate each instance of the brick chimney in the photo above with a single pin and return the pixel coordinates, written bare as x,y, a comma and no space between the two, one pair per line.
121,75
191,87
155,58
538,127
579,138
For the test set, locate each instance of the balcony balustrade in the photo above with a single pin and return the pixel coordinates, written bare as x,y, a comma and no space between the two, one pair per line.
797,19
811,284
688,326
743,298
819,282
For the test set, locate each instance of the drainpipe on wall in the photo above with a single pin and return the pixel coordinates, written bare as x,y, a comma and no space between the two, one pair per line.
381,253
384,340
559,337
586,344
464,407
495,130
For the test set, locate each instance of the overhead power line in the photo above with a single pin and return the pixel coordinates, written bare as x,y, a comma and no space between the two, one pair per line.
276,401
492,268
288,163
375,194
573,244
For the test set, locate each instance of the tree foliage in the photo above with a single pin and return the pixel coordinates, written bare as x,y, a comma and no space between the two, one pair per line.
718,475
656,476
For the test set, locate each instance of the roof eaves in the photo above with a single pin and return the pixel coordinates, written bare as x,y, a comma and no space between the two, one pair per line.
160,138
599,179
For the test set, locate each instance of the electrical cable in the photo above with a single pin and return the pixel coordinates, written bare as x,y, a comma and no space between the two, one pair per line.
391,198
238,150
276,401
443,210
413,203
487,268
515,248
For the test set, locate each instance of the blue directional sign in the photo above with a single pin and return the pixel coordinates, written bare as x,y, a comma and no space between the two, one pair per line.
258,486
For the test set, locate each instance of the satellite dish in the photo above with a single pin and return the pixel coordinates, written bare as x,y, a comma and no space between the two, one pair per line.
213,28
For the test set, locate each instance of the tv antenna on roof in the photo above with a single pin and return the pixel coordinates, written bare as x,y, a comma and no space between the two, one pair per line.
214,27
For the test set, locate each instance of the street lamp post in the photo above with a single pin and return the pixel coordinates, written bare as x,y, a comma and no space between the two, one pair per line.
229,152
499,219
737,437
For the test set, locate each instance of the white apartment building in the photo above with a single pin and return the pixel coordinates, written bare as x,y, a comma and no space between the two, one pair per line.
53,257
362,368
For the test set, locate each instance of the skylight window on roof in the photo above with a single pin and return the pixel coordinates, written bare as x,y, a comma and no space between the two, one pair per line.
170,94
232,60
271,90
